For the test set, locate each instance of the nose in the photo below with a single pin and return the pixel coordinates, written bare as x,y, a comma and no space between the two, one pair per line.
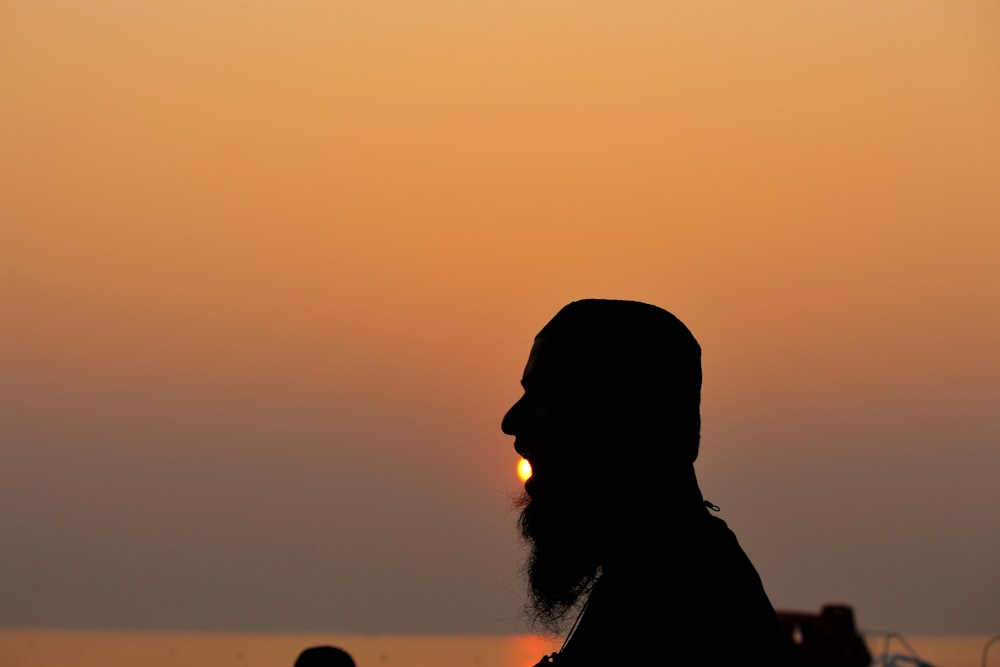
512,420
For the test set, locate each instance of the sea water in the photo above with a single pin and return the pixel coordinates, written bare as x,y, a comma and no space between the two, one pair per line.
62,648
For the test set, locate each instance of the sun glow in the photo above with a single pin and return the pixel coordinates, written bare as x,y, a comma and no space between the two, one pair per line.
523,470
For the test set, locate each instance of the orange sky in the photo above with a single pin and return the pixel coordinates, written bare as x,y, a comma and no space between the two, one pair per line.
273,268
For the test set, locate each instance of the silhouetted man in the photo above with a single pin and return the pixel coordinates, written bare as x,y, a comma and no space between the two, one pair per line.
618,528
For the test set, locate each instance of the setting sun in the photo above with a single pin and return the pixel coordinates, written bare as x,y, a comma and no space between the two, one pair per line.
523,470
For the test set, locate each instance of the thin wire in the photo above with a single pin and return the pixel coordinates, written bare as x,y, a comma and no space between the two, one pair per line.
986,649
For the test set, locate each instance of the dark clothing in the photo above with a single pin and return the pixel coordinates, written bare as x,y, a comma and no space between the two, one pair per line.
687,595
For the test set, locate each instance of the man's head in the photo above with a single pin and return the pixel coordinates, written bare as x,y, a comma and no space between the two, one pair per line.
324,656
610,413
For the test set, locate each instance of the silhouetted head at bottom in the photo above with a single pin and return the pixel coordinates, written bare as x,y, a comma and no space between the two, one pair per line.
324,656
610,422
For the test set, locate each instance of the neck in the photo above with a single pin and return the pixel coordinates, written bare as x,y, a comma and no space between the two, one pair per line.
671,493
661,504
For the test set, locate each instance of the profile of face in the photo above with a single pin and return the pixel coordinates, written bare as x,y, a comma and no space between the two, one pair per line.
529,419
550,424
562,507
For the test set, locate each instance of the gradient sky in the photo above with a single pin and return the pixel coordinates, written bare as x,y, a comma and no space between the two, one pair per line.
271,270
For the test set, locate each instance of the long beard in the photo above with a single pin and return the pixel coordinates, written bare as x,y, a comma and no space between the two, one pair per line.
564,560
